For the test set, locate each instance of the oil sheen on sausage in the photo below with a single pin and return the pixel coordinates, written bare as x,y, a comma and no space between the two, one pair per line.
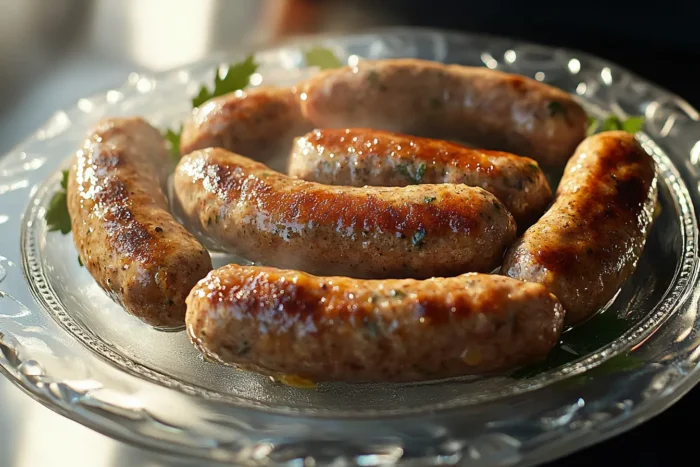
125,236
588,243
258,122
374,232
360,156
483,107
282,322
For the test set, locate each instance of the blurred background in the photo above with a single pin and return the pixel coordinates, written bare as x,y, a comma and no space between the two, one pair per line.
52,52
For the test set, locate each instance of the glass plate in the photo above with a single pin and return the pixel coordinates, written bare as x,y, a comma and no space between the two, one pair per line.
64,342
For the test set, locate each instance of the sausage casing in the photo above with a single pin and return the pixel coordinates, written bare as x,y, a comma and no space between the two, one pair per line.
588,243
340,329
258,122
360,156
486,108
373,232
125,236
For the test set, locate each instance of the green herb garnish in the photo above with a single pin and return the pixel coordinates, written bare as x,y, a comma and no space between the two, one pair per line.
618,363
64,179
403,170
622,362
371,327
418,237
322,57
593,125
430,199
420,171
235,77
57,216
416,177
633,124
173,140
583,339
613,123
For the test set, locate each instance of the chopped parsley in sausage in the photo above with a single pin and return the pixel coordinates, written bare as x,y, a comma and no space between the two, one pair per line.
418,236
415,177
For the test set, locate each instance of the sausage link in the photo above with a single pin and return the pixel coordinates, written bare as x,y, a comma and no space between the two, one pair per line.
484,107
125,236
589,242
259,122
359,157
415,231
281,322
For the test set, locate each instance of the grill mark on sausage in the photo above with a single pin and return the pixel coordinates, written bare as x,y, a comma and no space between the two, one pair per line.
486,107
385,142
125,236
340,329
589,242
320,204
360,156
258,122
608,196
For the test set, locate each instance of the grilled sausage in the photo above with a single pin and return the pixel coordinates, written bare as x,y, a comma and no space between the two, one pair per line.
589,241
281,322
359,157
484,107
415,231
125,236
258,122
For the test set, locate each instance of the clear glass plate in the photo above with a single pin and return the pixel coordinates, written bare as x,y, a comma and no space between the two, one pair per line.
69,346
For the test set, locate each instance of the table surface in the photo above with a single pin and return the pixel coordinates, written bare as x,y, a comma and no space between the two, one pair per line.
46,79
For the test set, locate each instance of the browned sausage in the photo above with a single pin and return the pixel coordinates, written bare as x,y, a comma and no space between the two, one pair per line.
588,243
122,229
258,122
487,108
374,232
281,322
360,156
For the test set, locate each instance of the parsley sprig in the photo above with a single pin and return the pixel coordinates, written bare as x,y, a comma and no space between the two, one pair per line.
57,217
613,122
582,340
173,139
322,57
235,77
415,176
